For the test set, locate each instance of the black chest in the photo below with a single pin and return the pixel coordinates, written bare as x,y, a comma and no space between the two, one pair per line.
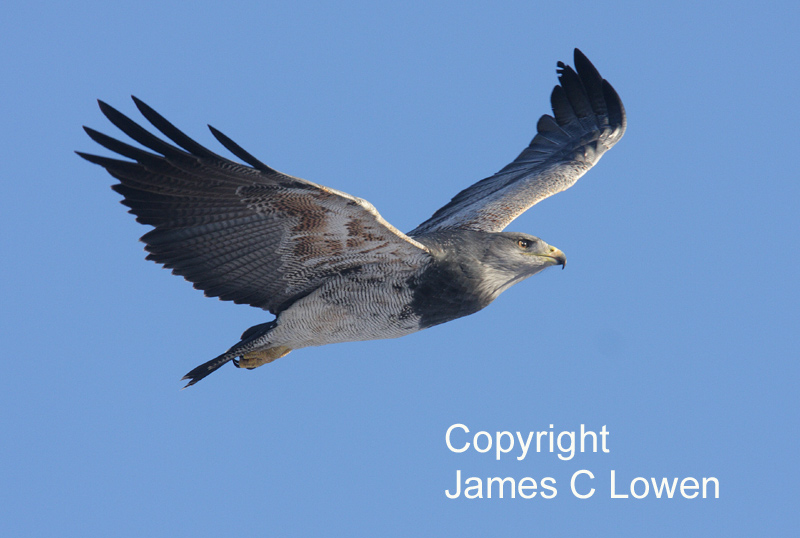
446,291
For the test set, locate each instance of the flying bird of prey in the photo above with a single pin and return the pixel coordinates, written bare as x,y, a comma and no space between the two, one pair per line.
325,263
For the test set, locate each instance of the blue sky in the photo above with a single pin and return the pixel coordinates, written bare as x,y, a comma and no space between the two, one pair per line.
674,324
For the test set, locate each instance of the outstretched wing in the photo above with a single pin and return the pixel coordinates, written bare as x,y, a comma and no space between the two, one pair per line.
588,119
245,234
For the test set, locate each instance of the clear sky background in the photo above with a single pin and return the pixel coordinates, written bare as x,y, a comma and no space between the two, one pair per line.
675,324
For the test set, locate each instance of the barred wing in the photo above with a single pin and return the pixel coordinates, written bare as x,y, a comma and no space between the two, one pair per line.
247,234
588,119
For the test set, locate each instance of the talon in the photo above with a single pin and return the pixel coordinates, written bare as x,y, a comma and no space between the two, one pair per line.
259,358
236,362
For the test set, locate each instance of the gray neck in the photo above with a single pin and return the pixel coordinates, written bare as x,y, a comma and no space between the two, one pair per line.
458,282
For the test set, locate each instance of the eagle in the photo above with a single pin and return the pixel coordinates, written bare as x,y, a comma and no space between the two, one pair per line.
325,263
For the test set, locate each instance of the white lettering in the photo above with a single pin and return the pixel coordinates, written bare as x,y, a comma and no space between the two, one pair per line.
501,482
684,487
604,434
524,445
458,486
447,437
549,487
479,487
614,489
646,487
539,436
665,487
520,487
488,442
716,486
570,450
572,484
584,433
498,442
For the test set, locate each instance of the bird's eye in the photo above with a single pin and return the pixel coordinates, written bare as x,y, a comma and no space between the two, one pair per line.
523,243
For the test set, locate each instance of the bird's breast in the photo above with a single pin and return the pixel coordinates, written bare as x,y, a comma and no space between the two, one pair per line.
447,291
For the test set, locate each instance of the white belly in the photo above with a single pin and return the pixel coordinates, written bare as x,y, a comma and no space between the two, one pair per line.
346,309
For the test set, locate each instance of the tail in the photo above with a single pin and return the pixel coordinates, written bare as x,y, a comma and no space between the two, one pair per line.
207,368
250,335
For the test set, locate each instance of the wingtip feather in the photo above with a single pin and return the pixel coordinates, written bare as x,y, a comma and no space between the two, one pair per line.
240,152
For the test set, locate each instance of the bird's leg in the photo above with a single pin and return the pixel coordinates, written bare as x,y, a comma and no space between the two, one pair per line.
254,359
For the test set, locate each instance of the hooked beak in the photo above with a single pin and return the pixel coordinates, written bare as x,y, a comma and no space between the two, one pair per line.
559,256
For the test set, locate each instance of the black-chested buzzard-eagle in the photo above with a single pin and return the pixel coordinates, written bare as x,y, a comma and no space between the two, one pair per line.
325,263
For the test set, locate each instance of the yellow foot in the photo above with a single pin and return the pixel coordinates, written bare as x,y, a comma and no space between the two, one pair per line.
259,358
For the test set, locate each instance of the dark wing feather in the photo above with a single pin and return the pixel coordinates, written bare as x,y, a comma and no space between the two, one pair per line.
588,119
249,235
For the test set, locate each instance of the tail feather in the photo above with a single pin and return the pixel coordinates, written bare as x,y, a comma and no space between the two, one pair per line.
244,346
207,368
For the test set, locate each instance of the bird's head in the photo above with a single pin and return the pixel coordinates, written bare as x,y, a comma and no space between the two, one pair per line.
511,257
